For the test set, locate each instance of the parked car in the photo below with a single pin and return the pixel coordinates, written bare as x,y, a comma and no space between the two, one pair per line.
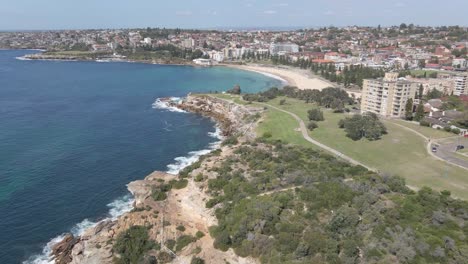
434,149
459,147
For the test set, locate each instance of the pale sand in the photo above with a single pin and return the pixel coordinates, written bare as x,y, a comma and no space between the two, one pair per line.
294,77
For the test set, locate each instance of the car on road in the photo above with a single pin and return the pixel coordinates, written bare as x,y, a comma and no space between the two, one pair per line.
434,149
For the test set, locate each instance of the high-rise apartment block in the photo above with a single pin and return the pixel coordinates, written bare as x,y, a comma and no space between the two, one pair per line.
387,96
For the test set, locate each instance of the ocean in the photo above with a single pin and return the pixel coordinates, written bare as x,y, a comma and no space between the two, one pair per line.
73,134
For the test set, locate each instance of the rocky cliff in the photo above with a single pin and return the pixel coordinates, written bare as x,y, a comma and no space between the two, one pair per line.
182,207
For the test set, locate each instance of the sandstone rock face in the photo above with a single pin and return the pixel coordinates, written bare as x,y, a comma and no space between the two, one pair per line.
184,207
232,117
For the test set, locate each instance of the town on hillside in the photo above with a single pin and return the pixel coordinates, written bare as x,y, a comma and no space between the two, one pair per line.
407,71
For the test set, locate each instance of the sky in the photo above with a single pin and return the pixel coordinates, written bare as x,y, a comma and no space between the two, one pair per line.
88,14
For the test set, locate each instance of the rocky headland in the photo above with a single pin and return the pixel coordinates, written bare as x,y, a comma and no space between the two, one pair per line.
183,206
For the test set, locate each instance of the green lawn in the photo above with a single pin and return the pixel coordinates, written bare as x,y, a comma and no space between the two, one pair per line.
421,72
401,152
426,131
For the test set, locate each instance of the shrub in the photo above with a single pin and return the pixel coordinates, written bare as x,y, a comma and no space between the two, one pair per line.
230,141
197,260
164,257
282,102
312,125
199,178
267,135
199,234
447,128
158,195
181,228
456,131
424,123
183,241
170,244
315,115
180,184
133,244
222,241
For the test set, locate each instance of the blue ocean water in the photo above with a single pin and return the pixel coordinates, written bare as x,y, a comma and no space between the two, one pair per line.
73,134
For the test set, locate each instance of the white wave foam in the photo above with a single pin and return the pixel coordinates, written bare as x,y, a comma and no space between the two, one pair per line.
116,208
23,58
193,156
165,104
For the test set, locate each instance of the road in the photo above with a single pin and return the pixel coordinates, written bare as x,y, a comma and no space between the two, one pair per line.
445,152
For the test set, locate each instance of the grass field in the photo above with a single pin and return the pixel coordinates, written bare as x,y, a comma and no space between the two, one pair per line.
421,72
426,131
401,152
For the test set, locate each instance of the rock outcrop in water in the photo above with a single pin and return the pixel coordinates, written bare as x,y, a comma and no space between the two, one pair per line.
182,207
233,118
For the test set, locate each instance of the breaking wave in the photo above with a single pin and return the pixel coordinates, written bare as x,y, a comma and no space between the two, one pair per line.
165,104
116,208
193,156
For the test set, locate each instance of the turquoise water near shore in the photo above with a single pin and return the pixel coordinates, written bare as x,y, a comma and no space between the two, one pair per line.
73,134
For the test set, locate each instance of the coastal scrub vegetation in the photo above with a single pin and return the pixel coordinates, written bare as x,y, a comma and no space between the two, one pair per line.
132,244
289,204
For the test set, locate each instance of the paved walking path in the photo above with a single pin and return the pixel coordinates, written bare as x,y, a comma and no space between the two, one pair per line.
306,136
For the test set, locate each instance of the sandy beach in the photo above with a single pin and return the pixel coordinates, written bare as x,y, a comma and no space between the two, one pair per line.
294,77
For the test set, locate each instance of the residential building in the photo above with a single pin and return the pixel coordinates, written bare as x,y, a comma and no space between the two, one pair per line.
387,96
276,48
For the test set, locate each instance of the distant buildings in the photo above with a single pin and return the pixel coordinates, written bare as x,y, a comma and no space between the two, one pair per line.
282,48
387,96
460,81
203,62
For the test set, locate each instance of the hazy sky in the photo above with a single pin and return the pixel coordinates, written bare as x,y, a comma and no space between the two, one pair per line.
65,14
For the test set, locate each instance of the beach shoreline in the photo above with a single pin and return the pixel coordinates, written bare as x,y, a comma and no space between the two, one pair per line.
293,77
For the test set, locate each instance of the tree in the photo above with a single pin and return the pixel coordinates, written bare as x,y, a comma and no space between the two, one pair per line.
419,112
434,94
422,64
409,109
359,126
235,90
421,91
312,125
315,115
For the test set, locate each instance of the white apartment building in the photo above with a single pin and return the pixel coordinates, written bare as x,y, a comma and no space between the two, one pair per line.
188,43
460,81
387,96
216,55
461,84
284,48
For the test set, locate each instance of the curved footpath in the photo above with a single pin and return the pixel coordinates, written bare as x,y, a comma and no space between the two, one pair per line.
306,136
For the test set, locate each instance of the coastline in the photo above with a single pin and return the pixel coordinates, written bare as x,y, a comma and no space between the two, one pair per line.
293,77
85,246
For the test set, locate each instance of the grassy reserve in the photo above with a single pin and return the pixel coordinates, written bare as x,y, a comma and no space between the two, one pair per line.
400,152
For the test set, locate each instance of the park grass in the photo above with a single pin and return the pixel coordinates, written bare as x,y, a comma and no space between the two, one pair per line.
280,125
421,72
400,152
426,131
